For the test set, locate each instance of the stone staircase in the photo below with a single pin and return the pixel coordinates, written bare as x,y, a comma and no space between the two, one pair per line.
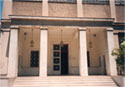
64,81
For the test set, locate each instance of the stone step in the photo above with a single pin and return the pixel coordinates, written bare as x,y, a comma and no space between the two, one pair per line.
64,77
60,86
66,81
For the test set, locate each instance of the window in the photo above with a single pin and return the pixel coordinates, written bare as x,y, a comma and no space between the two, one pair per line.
96,1
63,1
27,0
56,57
99,61
119,2
34,59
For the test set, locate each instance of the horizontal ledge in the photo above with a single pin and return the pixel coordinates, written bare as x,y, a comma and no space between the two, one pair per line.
60,18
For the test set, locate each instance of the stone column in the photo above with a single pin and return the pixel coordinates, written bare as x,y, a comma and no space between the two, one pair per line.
44,7
43,51
111,63
112,9
13,52
83,52
79,8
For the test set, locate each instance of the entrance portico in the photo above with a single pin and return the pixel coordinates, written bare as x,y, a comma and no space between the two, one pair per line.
77,39
53,37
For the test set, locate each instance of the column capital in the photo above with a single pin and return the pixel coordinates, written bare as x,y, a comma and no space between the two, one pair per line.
14,27
110,29
43,28
82,29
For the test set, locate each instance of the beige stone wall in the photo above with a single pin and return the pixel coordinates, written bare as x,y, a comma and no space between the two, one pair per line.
116,40
4,53
120,13
27,8
62,10
96,11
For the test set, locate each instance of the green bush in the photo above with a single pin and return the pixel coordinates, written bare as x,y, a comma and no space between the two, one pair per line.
120,57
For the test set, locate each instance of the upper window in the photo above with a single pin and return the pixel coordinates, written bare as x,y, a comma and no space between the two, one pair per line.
27,0
120,2
96,1
63,1
55,1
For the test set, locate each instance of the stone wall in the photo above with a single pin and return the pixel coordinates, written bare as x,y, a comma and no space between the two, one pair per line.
96,11
120,13
62,10
27,8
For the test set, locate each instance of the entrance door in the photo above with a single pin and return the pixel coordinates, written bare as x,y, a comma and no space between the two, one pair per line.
64,60
60,59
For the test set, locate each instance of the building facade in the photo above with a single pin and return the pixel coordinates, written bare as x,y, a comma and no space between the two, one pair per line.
60,37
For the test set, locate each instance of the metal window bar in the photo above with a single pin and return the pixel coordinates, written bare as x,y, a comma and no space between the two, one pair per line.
96,1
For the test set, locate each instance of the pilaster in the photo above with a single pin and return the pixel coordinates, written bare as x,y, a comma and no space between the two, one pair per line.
44,7
112,9
83,52
111,63
79,8
13,52
43,51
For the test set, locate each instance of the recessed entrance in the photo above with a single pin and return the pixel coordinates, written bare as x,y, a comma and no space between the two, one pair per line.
60,59
64,60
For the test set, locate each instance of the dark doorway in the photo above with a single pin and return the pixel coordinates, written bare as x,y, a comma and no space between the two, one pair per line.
64,60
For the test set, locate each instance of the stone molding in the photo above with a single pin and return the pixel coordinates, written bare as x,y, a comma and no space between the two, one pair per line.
110,29
43,28
14,27
44,18
82,29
